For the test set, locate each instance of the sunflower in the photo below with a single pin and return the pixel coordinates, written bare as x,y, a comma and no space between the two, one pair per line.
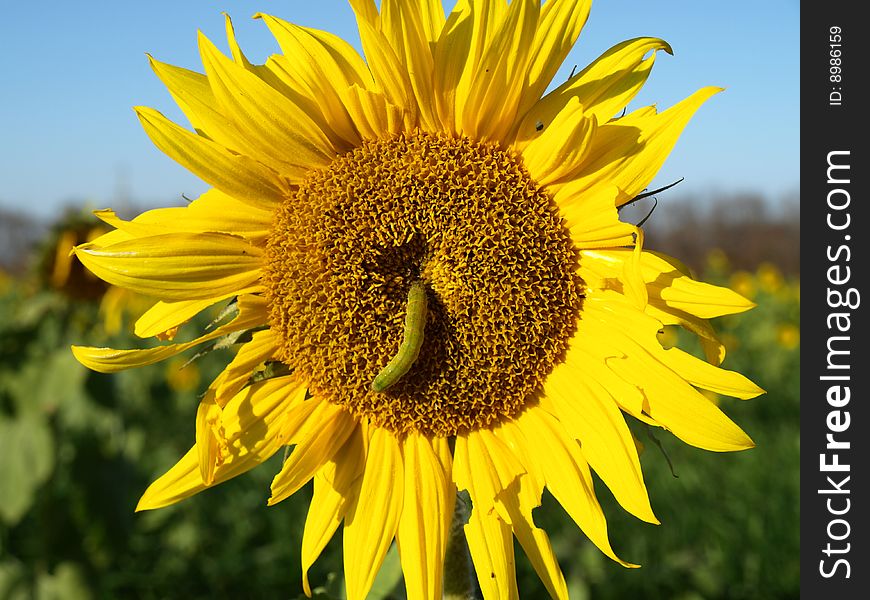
428,282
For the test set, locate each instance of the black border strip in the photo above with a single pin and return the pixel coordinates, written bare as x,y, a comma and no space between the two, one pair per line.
834,264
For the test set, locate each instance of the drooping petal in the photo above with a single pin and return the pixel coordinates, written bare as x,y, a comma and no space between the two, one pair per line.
372,520
250,433
181,481
426,514
254,425
164,317
252,313
521,482
492,552
669,399
534,540
313,451
335,487
590,414
262,347
566,474
214,211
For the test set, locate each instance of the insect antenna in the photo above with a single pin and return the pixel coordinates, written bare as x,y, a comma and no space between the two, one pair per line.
643,195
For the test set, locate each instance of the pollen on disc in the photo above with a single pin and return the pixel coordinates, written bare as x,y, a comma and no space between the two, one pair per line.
460,215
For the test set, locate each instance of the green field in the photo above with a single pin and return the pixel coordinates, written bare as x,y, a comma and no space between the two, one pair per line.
78,448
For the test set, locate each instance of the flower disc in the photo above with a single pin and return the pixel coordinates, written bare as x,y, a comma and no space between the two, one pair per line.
464,217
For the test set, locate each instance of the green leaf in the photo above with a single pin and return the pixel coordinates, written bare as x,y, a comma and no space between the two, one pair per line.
388,578
26,461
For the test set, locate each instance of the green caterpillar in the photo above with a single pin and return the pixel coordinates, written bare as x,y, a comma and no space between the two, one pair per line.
409,350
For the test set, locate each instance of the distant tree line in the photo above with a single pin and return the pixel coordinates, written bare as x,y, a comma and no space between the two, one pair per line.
747,227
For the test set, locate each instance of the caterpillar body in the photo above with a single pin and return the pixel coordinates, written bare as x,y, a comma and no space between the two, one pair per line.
409,350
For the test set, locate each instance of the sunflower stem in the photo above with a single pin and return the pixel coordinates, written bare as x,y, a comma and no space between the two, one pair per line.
459,578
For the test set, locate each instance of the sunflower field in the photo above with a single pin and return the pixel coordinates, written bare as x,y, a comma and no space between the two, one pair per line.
78,448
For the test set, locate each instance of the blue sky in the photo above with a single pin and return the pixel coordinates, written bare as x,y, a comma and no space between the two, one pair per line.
71,71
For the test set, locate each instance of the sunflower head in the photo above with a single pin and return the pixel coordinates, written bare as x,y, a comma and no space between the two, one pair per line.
57,266
428,285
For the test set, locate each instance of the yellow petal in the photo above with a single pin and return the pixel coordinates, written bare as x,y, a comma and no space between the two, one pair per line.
313,451
277,126
604,87
562,146
426,514
192,92
701,299
521,488
432,18
560,25
714,350
179,482
668,286
390,76
485,466
262,347
236,175
371,523
252,313
590,414
250,421
492,552
252,425
704,375
336,486
629,152
534,540
165,316
372,114
325,512
214,211
402,23
592,219
176,266
634,286
496,88
365,10
670,400
567,475
451,57
208,418
318,73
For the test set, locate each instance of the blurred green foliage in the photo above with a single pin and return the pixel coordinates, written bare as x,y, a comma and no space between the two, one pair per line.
78,448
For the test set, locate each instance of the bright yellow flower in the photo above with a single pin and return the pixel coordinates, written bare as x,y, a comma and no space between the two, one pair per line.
788,336
769,277
181,375
743,283
339,184
717,261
